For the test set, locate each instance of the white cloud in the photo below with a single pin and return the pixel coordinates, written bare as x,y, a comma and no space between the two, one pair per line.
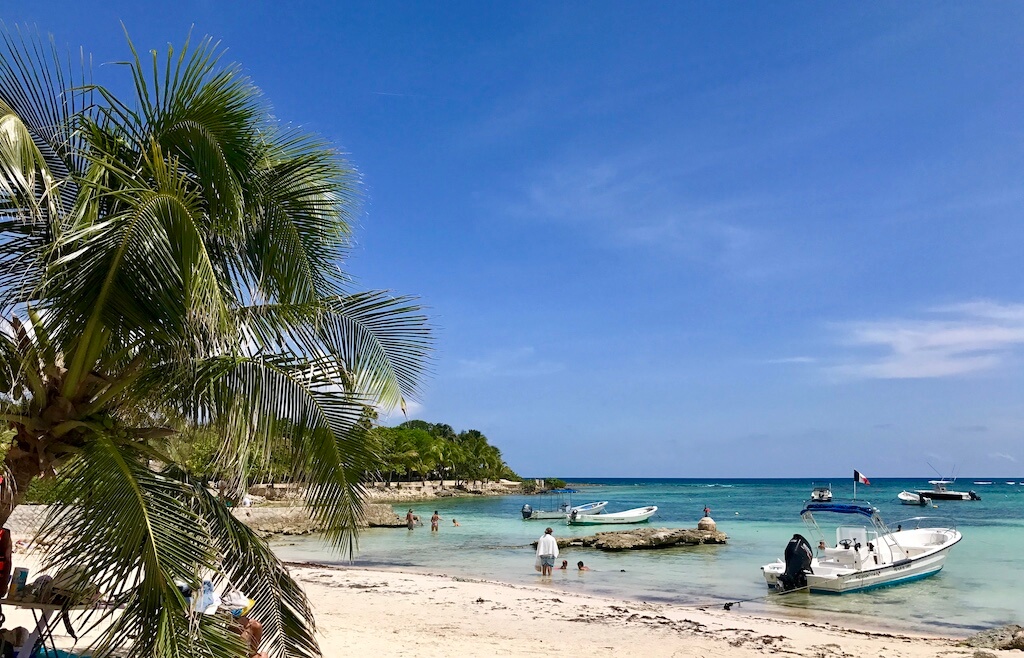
412,410
638,200
962,339
1002,455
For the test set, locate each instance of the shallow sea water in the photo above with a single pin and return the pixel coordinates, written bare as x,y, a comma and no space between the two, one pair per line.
979,587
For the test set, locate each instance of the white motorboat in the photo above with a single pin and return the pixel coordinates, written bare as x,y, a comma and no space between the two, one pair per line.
638,515
863,557
822,494
913,498
590,508
940,491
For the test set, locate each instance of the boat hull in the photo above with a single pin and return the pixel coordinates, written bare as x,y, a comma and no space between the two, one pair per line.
590,508
944,495
910,498
542,515
639,515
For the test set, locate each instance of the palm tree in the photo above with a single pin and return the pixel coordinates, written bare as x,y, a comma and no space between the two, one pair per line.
171,261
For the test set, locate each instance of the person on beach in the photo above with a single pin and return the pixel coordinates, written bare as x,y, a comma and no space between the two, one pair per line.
434,520
582,567
547,551
707,511
410,520
455,523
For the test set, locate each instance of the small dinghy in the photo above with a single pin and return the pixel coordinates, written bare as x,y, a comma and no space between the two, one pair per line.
638,515
590,508
913,498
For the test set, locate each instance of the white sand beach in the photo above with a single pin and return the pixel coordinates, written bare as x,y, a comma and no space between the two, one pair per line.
395,613
392,613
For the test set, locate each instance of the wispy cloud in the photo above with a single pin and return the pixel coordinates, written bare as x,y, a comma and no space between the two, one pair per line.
638,200
413,409
948,341
519,362
1002,455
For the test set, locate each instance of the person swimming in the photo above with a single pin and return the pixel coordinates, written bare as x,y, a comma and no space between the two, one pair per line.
582,567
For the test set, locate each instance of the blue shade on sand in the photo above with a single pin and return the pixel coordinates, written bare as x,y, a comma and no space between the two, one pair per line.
979,587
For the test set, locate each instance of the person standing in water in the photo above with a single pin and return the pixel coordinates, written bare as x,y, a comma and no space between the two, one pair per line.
547,551
434,520
410,520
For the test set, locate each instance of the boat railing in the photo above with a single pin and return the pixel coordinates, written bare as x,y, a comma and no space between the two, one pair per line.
918,522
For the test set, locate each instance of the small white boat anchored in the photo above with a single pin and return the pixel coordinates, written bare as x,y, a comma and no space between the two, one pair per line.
638,515
822,494
590,508
940,491
863,557
912,498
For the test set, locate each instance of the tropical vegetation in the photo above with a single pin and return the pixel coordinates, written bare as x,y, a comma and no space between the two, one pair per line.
170,272
427,451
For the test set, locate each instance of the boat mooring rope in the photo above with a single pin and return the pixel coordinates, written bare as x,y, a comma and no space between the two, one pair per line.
729,604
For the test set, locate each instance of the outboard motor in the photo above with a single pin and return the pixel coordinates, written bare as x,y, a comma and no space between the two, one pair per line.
973,495
527,511
798,563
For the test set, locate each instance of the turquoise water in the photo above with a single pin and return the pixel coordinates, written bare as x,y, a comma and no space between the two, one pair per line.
979,587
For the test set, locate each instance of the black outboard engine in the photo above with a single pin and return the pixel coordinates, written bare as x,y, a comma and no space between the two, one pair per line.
798,563
527,511
973,495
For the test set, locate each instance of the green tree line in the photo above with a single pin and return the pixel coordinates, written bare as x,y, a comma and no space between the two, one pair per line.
420,450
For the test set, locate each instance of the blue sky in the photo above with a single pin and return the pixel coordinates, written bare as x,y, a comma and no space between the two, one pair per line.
676,239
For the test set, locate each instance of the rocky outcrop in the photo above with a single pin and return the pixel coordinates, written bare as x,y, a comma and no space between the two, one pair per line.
380,515
1010,636
295,519
277,520
406,492
644,538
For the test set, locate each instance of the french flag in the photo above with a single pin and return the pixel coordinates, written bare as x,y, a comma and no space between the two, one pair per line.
860,477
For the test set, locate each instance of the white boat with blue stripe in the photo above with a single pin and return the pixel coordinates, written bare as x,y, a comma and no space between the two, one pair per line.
863,556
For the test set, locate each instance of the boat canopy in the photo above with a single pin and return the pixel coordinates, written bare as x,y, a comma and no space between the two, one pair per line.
563,491
840,508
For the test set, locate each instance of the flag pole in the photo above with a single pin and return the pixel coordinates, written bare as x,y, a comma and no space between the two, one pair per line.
855,485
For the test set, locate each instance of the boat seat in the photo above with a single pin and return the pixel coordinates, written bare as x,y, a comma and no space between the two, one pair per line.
841,555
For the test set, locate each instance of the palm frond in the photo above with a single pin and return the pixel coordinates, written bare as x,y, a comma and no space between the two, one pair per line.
133,532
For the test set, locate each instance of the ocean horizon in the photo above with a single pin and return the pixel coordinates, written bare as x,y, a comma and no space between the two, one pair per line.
978,587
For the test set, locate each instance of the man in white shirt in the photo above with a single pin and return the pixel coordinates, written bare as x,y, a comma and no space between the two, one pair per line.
547,551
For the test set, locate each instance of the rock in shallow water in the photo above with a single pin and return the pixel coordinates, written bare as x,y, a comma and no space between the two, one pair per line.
645,538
